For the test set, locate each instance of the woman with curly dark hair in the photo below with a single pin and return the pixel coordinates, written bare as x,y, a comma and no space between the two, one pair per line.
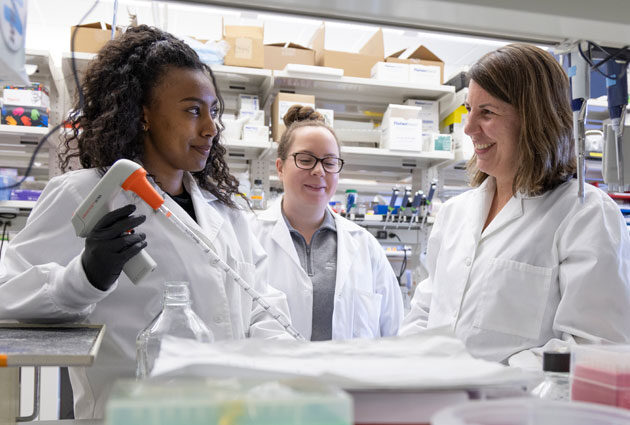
148,98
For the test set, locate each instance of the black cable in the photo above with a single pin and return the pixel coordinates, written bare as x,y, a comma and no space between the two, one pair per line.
73,61
403,266
610,56
58,126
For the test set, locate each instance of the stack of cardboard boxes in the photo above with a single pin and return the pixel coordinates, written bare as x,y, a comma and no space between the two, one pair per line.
420,66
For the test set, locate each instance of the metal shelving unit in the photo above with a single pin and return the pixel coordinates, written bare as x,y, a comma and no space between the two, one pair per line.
17,143
358,98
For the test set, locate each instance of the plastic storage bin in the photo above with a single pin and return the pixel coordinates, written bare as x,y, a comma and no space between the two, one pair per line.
601,374
230,401
530,411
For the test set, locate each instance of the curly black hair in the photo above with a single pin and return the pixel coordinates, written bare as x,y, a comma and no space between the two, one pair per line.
107,126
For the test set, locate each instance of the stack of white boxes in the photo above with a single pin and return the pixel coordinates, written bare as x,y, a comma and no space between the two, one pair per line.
432,140
391,71
427,75
254,128
401,128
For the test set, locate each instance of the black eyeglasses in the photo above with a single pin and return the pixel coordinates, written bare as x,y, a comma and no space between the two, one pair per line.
306,161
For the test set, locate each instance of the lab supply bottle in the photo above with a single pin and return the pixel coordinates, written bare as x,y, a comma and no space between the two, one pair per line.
556,385
177,319
351,201
258,195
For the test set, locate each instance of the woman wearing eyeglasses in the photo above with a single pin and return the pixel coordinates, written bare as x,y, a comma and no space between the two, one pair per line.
338,281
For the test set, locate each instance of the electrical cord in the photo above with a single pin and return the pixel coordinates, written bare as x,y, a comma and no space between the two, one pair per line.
403,266
75,74
610,56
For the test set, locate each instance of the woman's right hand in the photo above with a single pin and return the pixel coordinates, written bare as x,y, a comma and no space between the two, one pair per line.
110,244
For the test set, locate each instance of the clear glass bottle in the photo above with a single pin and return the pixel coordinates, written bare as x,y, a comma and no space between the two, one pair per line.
258,195
556,385
176,319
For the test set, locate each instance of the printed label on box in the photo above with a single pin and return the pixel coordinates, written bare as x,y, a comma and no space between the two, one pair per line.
284,106
243,48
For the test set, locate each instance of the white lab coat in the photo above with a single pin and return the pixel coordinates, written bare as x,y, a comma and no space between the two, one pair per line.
546,268
368,301
45,281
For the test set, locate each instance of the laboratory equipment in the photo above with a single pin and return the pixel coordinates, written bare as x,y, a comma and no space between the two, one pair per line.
426,203
258,195
529,411
197,401
406,202
392,205
556,384
351,201
579,75
617,88
177,319
118,176
415,207
123,175
601,374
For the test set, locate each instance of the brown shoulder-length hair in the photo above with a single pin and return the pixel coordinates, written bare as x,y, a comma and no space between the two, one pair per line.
534,83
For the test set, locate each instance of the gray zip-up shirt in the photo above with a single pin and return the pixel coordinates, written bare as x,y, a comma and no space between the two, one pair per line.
319,261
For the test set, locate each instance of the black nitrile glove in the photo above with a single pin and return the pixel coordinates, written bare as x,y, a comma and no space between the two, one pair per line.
109,246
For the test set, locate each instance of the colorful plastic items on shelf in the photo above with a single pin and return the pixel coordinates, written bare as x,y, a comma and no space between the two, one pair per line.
24,116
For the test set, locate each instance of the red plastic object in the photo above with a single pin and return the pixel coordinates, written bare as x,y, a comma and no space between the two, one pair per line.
601,386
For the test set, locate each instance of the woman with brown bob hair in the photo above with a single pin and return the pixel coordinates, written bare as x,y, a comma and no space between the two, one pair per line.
518,264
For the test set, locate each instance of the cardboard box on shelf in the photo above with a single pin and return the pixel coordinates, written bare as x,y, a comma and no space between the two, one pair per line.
430,114
281,105
90,38
425,66
246,46
390,71
247,102
279,55
401,128
354,64
435,142
34,95
252,117
255,133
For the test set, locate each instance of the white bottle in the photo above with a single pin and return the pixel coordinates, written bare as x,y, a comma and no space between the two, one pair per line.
258,195
556,385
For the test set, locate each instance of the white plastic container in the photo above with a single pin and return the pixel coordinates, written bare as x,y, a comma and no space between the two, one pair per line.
188,401
530,411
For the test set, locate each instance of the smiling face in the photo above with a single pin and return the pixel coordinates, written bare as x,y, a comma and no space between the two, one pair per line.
494,127
180,120
308,189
